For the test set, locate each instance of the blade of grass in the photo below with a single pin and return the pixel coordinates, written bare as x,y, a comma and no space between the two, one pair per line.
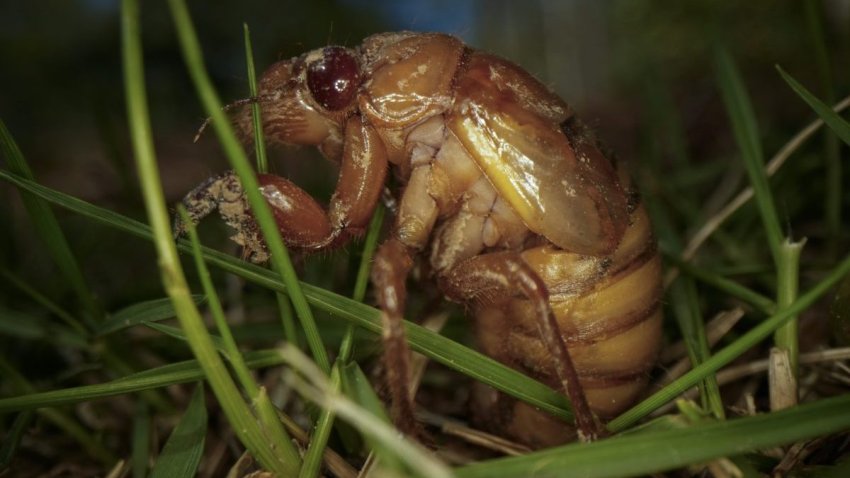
227,342
172,374
12,438
824,112
272,427
148,311
243,422
313,457
259,143
239,162
655,452
283,303
356,385
685,304
712,225
319,390
744,127
732,351
61,420
141,440
831,158
762,303
434,346
45,301
742,118
50,232
182,453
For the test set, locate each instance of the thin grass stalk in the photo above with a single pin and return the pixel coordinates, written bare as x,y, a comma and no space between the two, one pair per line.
50,232
256,114
59,419
141,447
243,422
787,286
14,435
647,453
234,356
45,302
324,425
284,306
760,302
239,161
744,126
686,305
730,352
266,412
315,387
831,158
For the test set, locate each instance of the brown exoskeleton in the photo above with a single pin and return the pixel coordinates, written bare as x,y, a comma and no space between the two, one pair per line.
504,192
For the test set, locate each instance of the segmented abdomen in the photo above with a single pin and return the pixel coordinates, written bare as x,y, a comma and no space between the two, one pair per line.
609,312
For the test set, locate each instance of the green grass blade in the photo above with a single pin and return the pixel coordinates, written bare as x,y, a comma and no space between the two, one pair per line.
283,302
746,133
45,301
760,302
732,351
683,295
239,161
141,440
238,414
649,453
831,150
153,310
306,378
835,122
63,421
271,426
171,374
182,453
356,385
12,438
259,143
743,120
315,452
436,347
28,327
48,229
226,340
179,334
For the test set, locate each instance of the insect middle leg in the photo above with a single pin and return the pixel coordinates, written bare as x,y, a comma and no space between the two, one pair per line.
503,274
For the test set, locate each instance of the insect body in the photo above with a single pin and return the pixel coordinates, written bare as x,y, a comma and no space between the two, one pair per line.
502,190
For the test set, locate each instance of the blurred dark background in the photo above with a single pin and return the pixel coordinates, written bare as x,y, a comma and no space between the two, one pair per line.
640,72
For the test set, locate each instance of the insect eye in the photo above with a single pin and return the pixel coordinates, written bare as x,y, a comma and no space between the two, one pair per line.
333,79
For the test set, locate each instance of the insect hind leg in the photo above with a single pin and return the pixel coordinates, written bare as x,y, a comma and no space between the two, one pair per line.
486,278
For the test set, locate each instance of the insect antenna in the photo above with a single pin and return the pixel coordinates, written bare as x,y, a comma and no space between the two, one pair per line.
228,107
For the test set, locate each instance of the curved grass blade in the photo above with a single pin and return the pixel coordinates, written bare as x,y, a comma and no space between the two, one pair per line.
141,440
238,414
182,453
731,351
654,452
239,161
47,225
171,374
148,311
824,112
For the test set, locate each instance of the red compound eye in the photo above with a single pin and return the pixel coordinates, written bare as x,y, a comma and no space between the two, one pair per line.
334,79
